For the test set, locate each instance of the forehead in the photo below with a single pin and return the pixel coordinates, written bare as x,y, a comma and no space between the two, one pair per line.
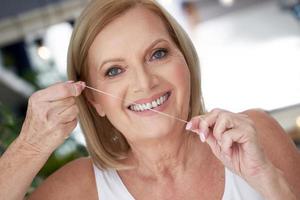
136,28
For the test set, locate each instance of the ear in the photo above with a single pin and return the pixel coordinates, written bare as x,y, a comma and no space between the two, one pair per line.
95,104
99,109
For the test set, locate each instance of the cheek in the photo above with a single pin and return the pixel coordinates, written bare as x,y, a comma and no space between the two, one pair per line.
181,80
113,106
181,76
114,97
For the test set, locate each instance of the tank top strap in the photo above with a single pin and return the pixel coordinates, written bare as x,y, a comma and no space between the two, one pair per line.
110,186
236,188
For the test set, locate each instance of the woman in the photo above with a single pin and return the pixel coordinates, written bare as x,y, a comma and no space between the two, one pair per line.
135,51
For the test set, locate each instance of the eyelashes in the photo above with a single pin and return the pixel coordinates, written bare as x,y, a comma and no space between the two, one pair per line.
113,71
157,55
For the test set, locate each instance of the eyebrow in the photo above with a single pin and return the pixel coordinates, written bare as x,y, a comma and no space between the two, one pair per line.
108,61
155,42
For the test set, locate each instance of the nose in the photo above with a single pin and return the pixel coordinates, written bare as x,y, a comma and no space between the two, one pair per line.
144,80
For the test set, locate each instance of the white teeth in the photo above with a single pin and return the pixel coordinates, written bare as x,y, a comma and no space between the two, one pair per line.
144,107
140,107
158,101
134,108
147,106
154,104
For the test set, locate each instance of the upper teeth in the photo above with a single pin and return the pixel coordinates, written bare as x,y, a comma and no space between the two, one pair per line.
147,106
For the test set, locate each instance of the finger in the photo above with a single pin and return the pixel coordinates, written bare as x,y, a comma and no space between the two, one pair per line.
211,117
69,114
203,128
197,123
61,105
201,124
207,122
224,122
226,144
61,90
214,146
193,124
231,137
68,127
223,148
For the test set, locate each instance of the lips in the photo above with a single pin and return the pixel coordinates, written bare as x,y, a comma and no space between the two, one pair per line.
152,103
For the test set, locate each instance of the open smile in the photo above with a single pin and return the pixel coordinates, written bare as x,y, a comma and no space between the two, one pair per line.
157,102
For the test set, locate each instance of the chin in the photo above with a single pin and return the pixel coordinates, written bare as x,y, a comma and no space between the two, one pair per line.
157,131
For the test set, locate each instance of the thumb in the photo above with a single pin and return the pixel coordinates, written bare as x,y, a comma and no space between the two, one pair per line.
78,87
213,144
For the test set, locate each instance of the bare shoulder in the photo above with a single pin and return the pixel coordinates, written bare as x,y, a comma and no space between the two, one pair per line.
73,181
277,145
271,133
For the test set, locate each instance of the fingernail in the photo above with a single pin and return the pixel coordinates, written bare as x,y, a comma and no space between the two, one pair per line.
70,81
82,84
188,126
202,137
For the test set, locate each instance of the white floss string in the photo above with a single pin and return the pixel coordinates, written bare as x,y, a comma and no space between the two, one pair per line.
125,100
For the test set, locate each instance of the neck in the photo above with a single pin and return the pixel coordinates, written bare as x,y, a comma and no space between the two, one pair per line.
167,156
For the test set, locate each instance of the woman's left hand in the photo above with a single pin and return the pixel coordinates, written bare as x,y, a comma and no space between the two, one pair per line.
233,139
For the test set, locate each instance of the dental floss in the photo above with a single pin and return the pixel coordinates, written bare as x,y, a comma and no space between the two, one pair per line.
125,100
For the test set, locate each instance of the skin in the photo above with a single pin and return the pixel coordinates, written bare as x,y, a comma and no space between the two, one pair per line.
143,75
50,118
170,161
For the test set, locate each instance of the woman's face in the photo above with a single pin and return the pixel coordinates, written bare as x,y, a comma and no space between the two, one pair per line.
134,58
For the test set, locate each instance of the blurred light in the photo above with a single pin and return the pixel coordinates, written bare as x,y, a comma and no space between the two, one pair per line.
57,39
44,52
268,72
298,121
226,3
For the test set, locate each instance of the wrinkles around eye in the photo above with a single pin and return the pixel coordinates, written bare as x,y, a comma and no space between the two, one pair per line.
159,54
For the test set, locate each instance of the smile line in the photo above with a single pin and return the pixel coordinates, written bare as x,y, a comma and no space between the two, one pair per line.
128,101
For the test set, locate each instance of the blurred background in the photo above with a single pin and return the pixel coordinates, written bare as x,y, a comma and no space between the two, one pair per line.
249,54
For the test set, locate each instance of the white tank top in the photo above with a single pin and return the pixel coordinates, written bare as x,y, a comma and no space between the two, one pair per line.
111,187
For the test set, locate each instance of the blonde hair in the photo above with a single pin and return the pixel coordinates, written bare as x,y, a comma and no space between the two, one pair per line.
106,145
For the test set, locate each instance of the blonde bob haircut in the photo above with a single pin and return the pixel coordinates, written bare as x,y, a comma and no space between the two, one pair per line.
106,145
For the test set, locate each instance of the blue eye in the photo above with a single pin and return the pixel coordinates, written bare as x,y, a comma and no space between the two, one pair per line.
114,71
159,54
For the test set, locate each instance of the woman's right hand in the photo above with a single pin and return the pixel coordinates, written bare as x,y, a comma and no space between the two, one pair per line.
51,117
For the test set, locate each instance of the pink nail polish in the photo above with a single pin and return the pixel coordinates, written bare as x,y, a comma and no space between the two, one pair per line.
188,126
202,137
82,84
70,81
